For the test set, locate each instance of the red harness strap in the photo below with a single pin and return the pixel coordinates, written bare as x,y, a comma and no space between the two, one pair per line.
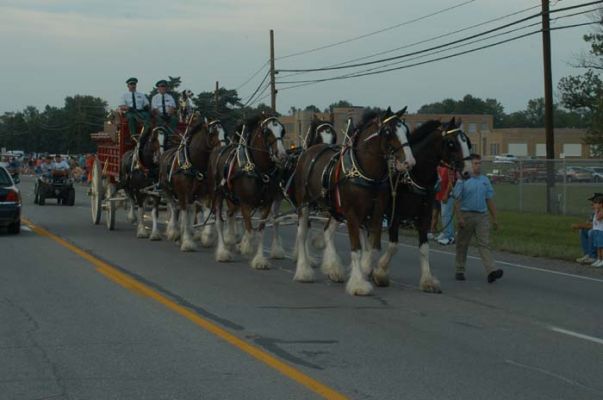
338,169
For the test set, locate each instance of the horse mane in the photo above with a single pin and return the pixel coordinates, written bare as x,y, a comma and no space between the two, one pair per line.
367,118
423,131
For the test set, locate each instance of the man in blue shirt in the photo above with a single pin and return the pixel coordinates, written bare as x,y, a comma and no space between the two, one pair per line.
473,202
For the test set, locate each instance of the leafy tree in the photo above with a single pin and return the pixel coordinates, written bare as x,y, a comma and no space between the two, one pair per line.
584,93
312,108
338,104
467,105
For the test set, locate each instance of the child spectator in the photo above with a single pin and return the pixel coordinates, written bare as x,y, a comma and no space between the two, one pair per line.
598,231
586,236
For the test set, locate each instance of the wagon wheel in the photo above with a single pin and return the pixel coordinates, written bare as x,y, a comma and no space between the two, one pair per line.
110,206
96,192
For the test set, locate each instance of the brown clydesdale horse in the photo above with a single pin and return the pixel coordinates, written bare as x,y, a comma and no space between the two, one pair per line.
352,183
183,178
246,175
433,144
319,132
138,171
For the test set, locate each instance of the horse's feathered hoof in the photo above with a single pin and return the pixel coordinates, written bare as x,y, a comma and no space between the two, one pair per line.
155,236
356,287
277,252
188,245
430,285
223,255
304,276
380,279
260,262
141,233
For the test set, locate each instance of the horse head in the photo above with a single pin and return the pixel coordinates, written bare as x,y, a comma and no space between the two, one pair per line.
456,147
153,147
393,132
273,132
216,133
320,132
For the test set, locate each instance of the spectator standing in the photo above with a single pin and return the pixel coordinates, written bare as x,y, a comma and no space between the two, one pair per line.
447,179
473,200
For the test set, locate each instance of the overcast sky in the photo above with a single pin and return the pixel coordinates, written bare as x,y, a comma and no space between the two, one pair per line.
55,48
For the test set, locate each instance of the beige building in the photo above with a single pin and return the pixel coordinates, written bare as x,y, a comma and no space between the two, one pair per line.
487,141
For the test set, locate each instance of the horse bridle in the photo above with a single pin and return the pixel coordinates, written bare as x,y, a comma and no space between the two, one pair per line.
266,131
216,124
458,132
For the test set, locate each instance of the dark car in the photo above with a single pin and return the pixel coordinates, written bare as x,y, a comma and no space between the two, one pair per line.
10,202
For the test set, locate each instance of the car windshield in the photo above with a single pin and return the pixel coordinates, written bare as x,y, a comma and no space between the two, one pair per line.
5,178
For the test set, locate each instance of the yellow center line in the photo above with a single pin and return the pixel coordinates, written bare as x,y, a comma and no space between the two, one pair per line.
133,285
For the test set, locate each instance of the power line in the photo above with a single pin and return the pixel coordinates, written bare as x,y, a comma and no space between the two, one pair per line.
328,46
360,74
427,40
468,43
257,89
441,45
252,76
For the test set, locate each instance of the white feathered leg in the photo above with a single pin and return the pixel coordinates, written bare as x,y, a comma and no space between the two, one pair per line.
259,261
381,273
171,231
246,246
131,212
276,251
357,284
428,282
230,237
141,231
155,234
186,221
368,254
318,241
331,262
303,269
222,252
207,233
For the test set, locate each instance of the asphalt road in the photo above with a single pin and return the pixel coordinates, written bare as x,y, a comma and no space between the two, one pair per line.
69,331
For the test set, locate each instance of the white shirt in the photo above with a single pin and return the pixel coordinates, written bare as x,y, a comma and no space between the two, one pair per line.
60,166
141,100
156,103
597,225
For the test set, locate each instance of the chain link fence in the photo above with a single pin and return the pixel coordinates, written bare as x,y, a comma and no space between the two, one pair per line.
521,185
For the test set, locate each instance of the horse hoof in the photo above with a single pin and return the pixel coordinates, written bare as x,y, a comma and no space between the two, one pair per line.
207,240
223,255
142,234
277,253
306,276
155,236
336,277
431,286
188,245
260,262
360,288
380,279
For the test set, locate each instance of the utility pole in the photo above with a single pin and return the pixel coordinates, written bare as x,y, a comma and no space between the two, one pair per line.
216,98
272,74
548,110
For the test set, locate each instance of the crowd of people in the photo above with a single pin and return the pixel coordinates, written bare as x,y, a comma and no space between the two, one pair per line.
79,166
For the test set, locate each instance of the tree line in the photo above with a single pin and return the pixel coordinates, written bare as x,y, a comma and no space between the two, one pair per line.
67,129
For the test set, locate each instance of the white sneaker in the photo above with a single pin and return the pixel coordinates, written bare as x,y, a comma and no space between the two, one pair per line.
589,260
445,241
597,264
582,259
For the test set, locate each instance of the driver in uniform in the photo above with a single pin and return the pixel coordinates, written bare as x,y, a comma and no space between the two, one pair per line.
163,107
135,105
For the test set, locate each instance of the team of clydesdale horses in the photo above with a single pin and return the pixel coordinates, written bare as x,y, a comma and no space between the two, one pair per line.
381,172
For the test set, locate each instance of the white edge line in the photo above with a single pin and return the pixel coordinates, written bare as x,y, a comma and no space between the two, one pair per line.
586,278
576,335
